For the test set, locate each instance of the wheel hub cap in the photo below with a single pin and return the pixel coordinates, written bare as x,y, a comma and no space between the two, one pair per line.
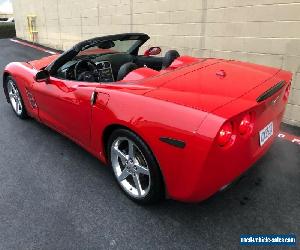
130,167
14,97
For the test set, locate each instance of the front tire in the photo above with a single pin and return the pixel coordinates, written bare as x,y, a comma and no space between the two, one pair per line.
135,168
15,98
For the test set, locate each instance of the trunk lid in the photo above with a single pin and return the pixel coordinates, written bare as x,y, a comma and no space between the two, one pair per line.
208,88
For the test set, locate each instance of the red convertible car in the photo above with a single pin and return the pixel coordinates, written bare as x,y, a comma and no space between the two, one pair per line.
171,126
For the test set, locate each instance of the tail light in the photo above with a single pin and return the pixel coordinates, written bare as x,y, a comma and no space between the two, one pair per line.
287,92
246,124
225,136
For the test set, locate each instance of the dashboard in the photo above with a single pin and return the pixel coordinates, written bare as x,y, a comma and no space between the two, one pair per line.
105,70
102,72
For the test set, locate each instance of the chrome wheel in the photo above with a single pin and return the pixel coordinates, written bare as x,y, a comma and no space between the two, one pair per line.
130,167
14,97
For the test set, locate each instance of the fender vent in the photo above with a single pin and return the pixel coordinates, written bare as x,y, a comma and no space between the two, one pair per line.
173,142
270,91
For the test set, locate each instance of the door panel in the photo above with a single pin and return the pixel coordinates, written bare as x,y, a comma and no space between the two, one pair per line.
65,106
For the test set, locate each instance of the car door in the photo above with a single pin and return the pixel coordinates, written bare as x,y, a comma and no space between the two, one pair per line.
65,106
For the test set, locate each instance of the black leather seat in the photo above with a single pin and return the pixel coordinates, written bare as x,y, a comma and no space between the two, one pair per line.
169,58
125,69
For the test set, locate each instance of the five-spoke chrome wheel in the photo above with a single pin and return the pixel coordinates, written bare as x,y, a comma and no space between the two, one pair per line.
130,167
14,97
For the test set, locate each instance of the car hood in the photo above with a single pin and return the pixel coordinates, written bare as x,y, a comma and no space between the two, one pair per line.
43,62
208,88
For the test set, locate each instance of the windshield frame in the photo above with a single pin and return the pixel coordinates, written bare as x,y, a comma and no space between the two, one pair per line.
76,49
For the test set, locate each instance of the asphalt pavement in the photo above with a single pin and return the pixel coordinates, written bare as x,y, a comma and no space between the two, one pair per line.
54,195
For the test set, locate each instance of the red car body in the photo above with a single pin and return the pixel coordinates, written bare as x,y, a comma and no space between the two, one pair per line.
190,101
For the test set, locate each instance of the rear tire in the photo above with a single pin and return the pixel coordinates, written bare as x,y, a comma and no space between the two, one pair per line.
15,98
135,168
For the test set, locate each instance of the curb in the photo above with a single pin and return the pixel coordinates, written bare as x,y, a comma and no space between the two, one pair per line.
36,46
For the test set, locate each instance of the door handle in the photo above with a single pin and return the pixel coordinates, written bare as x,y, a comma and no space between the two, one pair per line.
94,97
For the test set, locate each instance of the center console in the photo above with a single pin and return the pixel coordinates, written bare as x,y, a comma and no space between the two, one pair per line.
105,71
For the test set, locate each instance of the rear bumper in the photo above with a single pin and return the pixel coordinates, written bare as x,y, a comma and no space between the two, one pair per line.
224,166
221,166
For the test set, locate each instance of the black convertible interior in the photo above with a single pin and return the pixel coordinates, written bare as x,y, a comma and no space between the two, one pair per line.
108,59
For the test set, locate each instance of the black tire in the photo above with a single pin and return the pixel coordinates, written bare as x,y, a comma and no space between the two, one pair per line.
22,114
156,192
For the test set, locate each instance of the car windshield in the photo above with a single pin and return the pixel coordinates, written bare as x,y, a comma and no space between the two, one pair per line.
103,47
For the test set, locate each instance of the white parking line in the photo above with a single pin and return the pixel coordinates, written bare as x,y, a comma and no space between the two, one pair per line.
34,46
289,137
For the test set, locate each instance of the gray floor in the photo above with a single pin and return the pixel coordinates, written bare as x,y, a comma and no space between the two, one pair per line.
54,195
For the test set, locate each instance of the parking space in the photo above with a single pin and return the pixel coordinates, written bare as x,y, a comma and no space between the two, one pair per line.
54,195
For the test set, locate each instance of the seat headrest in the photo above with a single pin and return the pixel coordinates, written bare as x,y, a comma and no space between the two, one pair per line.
169,58
125,69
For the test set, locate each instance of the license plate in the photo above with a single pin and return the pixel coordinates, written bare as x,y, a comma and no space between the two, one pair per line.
265,133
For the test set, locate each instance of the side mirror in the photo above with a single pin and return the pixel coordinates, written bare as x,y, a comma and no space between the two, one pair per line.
153,51
42,76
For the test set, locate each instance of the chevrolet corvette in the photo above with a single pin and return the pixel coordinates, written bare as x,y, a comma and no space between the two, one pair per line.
171,126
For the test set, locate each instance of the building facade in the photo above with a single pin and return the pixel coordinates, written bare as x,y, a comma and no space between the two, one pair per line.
260,31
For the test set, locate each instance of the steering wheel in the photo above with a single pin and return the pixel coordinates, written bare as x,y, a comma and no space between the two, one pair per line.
84,70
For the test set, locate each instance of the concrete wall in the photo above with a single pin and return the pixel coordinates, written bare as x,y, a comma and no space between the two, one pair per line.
264,32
